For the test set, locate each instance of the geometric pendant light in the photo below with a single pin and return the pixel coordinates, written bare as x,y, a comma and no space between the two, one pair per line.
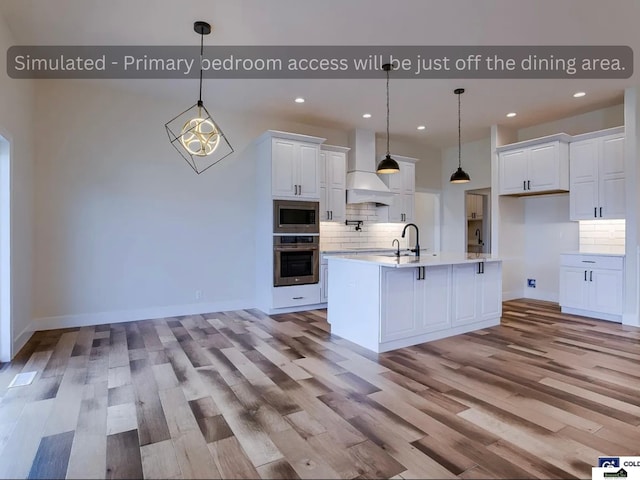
388,164
194,133
459,176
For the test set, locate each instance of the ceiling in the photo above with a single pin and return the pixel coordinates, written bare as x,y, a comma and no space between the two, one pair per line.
341,103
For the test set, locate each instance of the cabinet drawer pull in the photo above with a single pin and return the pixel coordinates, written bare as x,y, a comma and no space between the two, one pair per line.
297,298
588,261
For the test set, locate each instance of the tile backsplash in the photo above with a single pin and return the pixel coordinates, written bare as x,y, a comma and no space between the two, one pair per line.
337,235
605,236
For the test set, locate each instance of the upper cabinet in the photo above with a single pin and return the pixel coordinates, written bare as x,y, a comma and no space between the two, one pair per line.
403,186
333,174
474,206
535,167
597,175
295,169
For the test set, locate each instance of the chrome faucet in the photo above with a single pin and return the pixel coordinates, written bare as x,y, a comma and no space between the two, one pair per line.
395,240
417,247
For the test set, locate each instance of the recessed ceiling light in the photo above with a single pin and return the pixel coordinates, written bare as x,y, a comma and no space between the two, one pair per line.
511,114
579,94
299,100
421,127
366,115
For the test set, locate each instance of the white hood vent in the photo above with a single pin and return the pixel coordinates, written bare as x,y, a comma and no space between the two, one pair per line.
363,184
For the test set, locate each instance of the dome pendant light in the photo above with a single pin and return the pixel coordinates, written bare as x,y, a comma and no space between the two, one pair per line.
388,165
459,176
193,133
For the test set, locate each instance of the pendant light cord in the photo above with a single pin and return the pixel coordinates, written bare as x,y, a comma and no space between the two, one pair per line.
388,153
459,134
201,57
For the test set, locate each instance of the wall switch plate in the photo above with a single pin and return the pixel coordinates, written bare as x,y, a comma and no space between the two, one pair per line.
531,282
198,294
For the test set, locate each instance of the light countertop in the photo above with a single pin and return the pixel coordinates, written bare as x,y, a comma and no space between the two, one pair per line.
604,254
425,260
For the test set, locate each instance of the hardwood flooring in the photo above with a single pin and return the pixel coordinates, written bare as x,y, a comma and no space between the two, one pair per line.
244,395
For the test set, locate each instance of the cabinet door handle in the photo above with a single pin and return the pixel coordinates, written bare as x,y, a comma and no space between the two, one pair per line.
595,212
528,184
524,184
585,275
421,273
299,189
591,276
480,268
601,212
331,214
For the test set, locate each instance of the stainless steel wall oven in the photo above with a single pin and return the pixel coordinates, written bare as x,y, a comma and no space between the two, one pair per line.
296,260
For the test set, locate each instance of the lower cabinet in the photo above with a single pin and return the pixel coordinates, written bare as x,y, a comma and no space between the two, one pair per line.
422,300
592,285
477,292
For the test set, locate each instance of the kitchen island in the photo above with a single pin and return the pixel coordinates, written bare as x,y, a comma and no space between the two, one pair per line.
383,302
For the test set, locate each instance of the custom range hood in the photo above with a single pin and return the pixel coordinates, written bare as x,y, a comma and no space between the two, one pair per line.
363,184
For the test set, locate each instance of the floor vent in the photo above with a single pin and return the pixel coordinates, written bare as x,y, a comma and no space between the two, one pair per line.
22,379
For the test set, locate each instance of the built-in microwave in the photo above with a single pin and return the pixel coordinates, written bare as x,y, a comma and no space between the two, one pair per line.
295,217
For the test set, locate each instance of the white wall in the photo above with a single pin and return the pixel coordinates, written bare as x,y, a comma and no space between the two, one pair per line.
586,122
124,228
547,233
476,161
16,125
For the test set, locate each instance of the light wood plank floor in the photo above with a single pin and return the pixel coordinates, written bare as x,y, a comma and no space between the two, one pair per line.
244,395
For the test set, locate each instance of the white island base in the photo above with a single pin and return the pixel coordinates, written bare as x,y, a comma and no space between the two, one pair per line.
383,303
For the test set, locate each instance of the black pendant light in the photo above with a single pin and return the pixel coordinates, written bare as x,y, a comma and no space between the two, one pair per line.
459,176
194,133
388,164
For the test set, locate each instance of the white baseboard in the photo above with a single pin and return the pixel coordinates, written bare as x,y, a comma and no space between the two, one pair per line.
21,340
101,318
537,294
511,295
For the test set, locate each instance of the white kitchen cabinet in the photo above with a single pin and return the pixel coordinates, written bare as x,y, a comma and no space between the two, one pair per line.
474,206
415,301
476,291
402,303
295,169
592,285
534,166
597,178
403,186
287,167
333,173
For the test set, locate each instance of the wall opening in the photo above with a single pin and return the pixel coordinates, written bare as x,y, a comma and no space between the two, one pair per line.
478,225
5,246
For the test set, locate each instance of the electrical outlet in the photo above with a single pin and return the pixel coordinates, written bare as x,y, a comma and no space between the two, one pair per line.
198,294
531,282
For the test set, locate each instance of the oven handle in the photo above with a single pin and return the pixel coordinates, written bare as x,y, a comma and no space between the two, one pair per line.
295,248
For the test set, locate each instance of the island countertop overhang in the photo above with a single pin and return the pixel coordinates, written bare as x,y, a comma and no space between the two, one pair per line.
410,261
